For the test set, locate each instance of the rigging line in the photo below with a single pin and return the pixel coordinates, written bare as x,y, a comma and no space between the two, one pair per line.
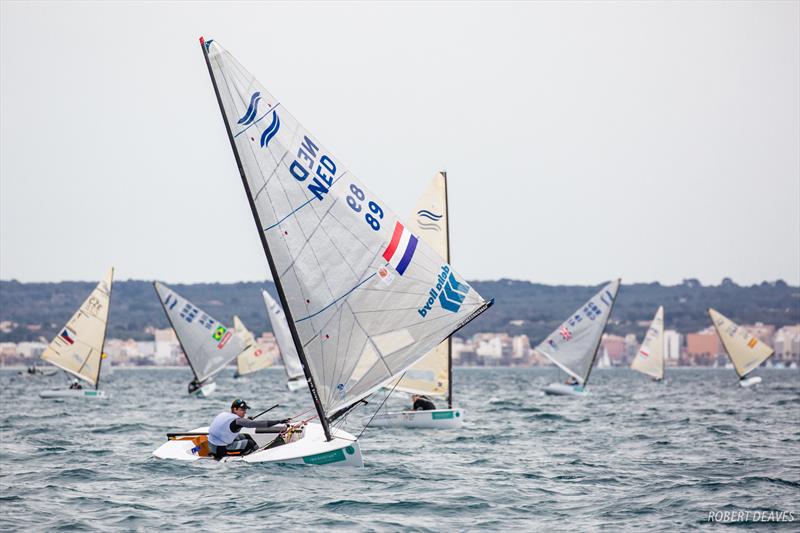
381,405
337,299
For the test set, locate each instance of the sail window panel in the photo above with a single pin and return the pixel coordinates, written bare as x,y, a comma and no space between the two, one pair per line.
389,343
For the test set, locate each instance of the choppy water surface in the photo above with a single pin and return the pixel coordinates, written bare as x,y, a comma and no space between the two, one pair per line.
631,455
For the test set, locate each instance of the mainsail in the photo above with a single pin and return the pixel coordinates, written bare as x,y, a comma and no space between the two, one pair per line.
252,359
280,328
363,296
573,346
745,350
650,357
207,344
78,347
430,220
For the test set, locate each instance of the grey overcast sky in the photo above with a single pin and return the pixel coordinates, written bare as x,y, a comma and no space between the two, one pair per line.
655,141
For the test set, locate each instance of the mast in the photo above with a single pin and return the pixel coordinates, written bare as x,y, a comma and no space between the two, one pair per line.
600,338
274,271
450,338
105,333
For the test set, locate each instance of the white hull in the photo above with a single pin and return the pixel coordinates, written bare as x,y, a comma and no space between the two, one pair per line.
433,419
308,447
75,393
562,389
749,382
206,390
297,384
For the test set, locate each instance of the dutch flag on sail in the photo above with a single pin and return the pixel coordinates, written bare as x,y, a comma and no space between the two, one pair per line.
401,248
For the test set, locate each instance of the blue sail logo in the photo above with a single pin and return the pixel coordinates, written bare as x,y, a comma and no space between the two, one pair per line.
430,215
448,290
271,131
250,115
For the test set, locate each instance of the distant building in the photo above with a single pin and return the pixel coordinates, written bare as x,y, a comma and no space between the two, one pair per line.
702,348
672,347
615,346
787,346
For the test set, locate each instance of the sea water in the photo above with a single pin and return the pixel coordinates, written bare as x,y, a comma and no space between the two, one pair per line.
632,454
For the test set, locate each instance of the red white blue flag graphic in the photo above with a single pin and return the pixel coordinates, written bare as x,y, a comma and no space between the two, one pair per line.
401,248
65,335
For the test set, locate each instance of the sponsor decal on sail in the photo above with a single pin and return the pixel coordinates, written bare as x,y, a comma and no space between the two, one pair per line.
401,248
252,110
432,222
271,131
448,291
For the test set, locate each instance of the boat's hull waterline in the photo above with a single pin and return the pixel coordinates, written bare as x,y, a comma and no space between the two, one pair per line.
562,389
296,384
304,447
433,419
206,390
749,382
75,393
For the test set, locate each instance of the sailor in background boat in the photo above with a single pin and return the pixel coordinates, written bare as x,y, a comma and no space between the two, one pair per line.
422,403
75,385
224,436
193,386
571,381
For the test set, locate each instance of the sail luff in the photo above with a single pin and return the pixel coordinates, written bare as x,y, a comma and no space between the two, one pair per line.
273,270
447,258
600,337
110,280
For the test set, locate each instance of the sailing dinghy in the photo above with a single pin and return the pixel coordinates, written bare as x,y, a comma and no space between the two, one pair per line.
78,348
295,379
745,351
364,298
573,346
207,344
432,375
649,360
252,359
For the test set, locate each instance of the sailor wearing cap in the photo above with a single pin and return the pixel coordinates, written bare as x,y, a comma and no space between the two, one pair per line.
224,436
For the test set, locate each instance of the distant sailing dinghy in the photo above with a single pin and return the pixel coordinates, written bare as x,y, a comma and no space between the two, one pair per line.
745,350
207,344
432,375
78,348
295,379
649,360
252,359
573,346
359,290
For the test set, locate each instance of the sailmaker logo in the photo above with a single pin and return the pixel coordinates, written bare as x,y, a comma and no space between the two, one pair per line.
448,291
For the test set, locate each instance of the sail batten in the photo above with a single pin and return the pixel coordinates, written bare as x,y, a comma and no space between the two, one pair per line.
745,351
649,359
78,348
207,344
573,345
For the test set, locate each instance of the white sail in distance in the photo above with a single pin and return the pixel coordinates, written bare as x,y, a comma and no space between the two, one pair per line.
252,358
280,328
430,221
207,344
573,345
745,351
650,357
78,347
364,297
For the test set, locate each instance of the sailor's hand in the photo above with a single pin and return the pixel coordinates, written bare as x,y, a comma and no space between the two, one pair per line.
285,421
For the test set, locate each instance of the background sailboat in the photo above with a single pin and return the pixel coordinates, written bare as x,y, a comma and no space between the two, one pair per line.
78,348
432,375
207,344
573,345
745,351
649,360
364,298
252,358
295,379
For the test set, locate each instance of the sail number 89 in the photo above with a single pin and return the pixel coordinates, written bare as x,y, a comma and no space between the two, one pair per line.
375,209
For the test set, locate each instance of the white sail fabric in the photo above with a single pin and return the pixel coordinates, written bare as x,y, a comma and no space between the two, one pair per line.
367,298
207,344
253,358
745,350
78,347
572,346
650,357
280,328
430,375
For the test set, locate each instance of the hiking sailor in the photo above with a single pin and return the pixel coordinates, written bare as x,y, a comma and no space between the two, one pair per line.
224,436
422,403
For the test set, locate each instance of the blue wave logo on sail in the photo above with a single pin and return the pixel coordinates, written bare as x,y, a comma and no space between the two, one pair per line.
429,215
271,131
252,109
448,290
